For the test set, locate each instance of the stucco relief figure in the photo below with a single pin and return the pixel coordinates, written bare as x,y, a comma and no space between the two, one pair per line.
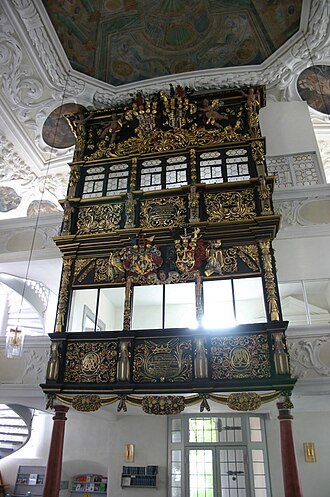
215,260
200,360
210,112
123,366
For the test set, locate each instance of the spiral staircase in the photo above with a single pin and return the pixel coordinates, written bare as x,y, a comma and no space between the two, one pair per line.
15,428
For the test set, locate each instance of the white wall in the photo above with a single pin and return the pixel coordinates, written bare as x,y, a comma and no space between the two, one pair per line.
288,128
302,258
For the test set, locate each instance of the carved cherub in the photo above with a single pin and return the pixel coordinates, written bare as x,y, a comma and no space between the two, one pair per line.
112,129
210,112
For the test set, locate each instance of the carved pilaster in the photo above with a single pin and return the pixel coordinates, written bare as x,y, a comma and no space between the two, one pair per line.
270,286
132,185
264,196
73,180
193,170
127,305
62,306
258,154
281,356
193,203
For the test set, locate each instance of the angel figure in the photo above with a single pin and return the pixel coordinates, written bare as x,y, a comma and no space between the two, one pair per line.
210,112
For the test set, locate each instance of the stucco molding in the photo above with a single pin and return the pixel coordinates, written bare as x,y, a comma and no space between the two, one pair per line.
305,357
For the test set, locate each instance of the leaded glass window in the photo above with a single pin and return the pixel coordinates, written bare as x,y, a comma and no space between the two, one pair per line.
164,172
94,180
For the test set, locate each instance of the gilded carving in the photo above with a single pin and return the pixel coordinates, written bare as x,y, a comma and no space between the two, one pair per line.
215,258
53,366
162,212
193,167
67,218
193,203
230,206
199,298
130,211
221,260
162,361
234,357
177,111
285,402
124,360
200,359
110,269
281,356
132,184
99,218
88,362
62,304
127,305
271,292
73,180
160,405
258,154
250,255
264,195
164,279
190,251
158,140
244,401
82,267
86,403
252,106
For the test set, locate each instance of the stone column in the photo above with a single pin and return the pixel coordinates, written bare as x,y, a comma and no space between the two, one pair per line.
289,463
54,465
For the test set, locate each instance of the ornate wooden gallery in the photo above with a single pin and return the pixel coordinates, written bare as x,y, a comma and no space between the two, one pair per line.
168,294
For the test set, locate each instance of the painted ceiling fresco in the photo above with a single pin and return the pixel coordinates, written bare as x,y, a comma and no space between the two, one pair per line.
124,41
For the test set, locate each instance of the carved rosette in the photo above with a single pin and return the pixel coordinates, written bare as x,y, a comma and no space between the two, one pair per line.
162,212
272,299
99,218
244,401
91,362
238,357
62,305
162,361
154,404
86,403
230,206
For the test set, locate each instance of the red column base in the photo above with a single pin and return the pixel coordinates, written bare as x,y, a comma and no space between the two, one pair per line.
289,463
54,465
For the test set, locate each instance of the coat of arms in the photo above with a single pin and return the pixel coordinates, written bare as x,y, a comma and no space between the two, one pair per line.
190,251
142,258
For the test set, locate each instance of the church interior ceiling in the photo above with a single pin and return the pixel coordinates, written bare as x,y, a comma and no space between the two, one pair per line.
122,41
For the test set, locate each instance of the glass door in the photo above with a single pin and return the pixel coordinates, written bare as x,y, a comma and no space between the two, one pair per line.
232,467
218,472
